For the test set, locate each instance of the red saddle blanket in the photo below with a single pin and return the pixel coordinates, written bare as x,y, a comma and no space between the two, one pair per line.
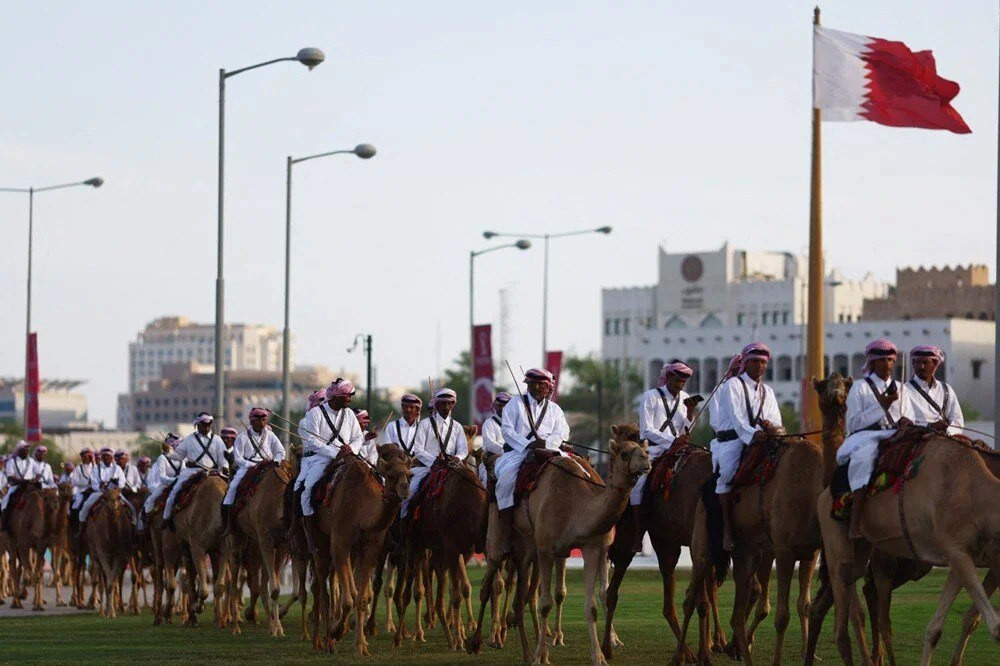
186,493
251,480
533,466
666,467
759,462
431,488
899,459
161,501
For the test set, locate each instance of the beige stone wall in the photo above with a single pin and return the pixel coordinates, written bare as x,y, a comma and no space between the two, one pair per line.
962,292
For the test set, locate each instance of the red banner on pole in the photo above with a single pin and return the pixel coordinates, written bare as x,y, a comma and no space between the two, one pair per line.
553,363
482,366
32,426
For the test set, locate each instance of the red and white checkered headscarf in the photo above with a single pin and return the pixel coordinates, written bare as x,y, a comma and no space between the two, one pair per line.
338,388
675,368
925,351
751,351
881,348
316,398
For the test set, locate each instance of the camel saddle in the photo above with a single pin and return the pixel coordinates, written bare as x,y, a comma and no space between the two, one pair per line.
899,460
531,470
666,468
186,493
19,494
161,500
759,462
323,491
248,484
431,488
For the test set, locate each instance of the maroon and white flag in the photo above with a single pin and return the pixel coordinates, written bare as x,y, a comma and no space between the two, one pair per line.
482,371
33,431
866,78
553,363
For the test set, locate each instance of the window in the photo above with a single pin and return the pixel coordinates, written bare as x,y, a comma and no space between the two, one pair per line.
607,327
977,368
626,323
739,318
618,326
784,317
764,318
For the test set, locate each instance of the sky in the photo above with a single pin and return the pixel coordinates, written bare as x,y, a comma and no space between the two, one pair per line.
676,123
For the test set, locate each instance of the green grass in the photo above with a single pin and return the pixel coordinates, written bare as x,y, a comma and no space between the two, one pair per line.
91,639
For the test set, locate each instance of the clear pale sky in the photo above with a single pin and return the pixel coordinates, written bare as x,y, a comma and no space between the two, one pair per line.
675,123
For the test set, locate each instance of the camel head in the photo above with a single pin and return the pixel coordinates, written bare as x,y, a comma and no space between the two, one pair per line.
625,432
832,393
394,466
475,457
629,461
113,498
65,491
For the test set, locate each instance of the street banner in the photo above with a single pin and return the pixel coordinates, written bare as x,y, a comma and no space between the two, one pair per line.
482,372
34,427
553,363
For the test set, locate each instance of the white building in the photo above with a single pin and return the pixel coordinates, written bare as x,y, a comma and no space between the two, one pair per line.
177,340
59,406
707,305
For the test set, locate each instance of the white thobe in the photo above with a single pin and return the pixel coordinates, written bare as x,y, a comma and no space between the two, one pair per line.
732,415
657,429
80,478
201,453
103,477
868,425
916,408
429,445
492,442
17,470
400,433
516,428
249,449
320,446
133,481
164,471
43,471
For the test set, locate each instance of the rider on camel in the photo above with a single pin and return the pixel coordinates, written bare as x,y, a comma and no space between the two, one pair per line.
439,437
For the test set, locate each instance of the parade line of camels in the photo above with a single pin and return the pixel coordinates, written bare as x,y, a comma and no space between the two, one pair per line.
938,509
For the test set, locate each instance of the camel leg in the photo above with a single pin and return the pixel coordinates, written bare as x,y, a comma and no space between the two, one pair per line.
371,628
806,569
691,599
39,575
421,582
466,590
932,635
486,593
439,567
517,610
458,598
401,599
543,564
621,562
965,569
532,600
391,580
560,597
271,575
761,587
744,565
363,588
719,640
496,597
878,596
786,568
971,619
593,560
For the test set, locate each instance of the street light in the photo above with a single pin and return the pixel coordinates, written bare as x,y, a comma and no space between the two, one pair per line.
367,339
310,57
521,244
545,289
363,150
30,191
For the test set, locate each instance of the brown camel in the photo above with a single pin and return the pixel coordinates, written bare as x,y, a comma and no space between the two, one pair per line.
140,553
58,521
567,509
200,533
28,527
352,522
775,520
944,515
670,524
261,521
110,539
166,562
450,528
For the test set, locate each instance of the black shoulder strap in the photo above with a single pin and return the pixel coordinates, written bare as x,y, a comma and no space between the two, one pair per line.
176,468
442,444
760,408
496,418
888,416
253,443
402,440
531,420
335,429
942,410
669,423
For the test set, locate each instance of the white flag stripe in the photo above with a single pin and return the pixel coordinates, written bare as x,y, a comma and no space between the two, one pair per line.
839,74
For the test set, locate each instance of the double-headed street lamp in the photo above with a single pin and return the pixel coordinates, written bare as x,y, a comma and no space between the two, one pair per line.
30,191
545,288
310,57
521,244
363,150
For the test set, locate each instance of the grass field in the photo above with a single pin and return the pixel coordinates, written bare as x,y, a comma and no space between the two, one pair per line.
91,639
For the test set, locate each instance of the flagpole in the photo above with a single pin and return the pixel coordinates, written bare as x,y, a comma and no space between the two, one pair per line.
812,419
996,334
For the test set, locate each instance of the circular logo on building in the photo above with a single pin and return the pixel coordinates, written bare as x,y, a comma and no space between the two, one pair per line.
692,268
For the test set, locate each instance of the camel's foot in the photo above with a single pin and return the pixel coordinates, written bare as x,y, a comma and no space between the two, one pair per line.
390,627
250,614
363,650
473,644
237,631
607,650
16,603
419,636
733,651
157,620
38,607
60,604
558,638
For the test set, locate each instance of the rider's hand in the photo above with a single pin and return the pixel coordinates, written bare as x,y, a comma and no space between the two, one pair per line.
886,399
683,440
939,426
758,436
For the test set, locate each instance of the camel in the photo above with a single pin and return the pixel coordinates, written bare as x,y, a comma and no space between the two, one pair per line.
567,509
166,560
109,535
944,515
670,525
28,527
58,521
200,534
261,521
777,520
449,529
351,523
140,553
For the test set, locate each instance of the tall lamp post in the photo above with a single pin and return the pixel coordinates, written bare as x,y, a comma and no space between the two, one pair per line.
367,339
545,287
364,151
31,191
310,57
521,244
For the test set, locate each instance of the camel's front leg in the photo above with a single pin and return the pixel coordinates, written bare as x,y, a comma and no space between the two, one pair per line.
593,560
971,619
806,569
544,564
932,635
786,568
560,596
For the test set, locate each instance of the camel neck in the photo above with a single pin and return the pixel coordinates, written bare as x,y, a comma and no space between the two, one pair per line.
834,431
600,511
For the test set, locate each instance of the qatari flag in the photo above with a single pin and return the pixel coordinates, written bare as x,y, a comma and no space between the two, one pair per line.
866,78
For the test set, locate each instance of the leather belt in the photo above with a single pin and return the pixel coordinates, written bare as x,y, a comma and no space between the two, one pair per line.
309,455
191,465
726,435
